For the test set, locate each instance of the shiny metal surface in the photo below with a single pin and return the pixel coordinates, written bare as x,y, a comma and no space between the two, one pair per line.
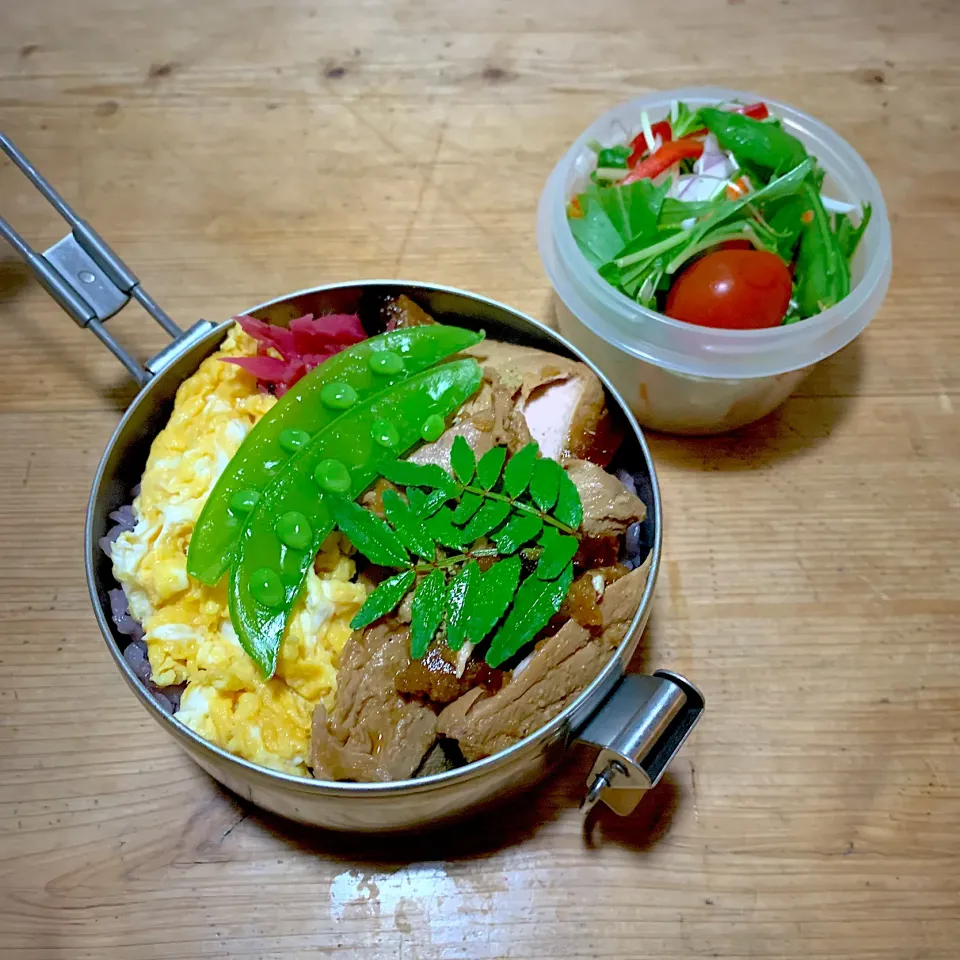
80,271
360,806
638,730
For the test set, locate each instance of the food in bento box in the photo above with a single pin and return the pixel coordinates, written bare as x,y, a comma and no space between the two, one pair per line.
371,557
716,216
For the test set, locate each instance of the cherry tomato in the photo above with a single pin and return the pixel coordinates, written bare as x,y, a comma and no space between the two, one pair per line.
733,289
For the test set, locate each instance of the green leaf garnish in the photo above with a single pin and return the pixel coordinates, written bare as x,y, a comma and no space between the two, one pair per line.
545,482
459,596
558,550
469,504
410,529
462,460
489,467
519,470
517,532
569,509
418,475
511,501
487,518
443,530
493,595
384,599
535,603
426,504
426,613
368,533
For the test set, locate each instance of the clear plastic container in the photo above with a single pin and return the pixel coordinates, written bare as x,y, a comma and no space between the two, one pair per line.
679,377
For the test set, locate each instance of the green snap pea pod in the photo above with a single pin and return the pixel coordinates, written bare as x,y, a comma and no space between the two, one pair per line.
291,519
348,377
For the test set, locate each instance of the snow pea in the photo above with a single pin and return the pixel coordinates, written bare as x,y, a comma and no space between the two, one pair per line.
326,393
823,274
759,143
290,520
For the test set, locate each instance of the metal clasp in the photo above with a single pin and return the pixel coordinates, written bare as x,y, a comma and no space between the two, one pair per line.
638,730
89,281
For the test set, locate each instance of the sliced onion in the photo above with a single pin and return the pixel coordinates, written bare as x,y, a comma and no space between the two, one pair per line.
837,206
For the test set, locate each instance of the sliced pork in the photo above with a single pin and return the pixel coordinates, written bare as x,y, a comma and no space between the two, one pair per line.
561,400
373,733
546,682
608,506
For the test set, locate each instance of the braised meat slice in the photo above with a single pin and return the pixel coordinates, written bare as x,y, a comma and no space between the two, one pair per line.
549,680
435,678
562,400
402,312
372,733
490,419
608,506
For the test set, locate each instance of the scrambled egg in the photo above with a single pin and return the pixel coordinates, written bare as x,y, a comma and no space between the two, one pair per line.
187,625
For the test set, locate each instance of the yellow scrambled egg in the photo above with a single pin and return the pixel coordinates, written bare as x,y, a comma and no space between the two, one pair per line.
187,625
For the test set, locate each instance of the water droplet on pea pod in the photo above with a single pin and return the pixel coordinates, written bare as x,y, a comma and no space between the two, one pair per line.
292,439
432,427
386,362
243,501
266,588
385,433
338,396
294,530
332,476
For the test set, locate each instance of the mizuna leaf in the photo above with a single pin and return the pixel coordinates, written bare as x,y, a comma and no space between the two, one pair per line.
535,603
409,474
521,528
442,529
558,551
569,509
489,467
384,599
368,533
545,482
519,470
462,460
426,613
487,518
469,504
410,528
487,603
459,596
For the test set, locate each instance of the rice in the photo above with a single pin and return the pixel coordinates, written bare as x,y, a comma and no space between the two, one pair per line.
135,649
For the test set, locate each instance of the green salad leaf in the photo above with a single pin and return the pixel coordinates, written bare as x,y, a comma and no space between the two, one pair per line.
616,216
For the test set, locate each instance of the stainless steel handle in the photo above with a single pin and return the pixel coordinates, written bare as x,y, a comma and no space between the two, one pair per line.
89,281
638,730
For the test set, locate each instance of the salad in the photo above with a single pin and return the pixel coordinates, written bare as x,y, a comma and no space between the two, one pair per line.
716,216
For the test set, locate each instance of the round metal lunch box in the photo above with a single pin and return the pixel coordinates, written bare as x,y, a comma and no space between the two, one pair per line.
638,722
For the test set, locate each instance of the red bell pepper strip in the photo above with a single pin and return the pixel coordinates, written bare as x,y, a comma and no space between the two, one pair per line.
758,111
639,143
670,153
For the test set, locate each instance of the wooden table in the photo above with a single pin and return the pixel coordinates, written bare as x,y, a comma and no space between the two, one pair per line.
232,151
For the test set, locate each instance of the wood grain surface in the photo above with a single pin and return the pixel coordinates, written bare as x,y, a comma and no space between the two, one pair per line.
235,150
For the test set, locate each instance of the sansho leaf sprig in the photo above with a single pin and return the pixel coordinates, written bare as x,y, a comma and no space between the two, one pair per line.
496,508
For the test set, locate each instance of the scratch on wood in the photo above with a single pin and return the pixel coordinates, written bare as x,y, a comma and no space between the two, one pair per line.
427,179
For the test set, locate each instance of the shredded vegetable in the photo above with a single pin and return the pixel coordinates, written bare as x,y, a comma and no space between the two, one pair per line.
704,181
